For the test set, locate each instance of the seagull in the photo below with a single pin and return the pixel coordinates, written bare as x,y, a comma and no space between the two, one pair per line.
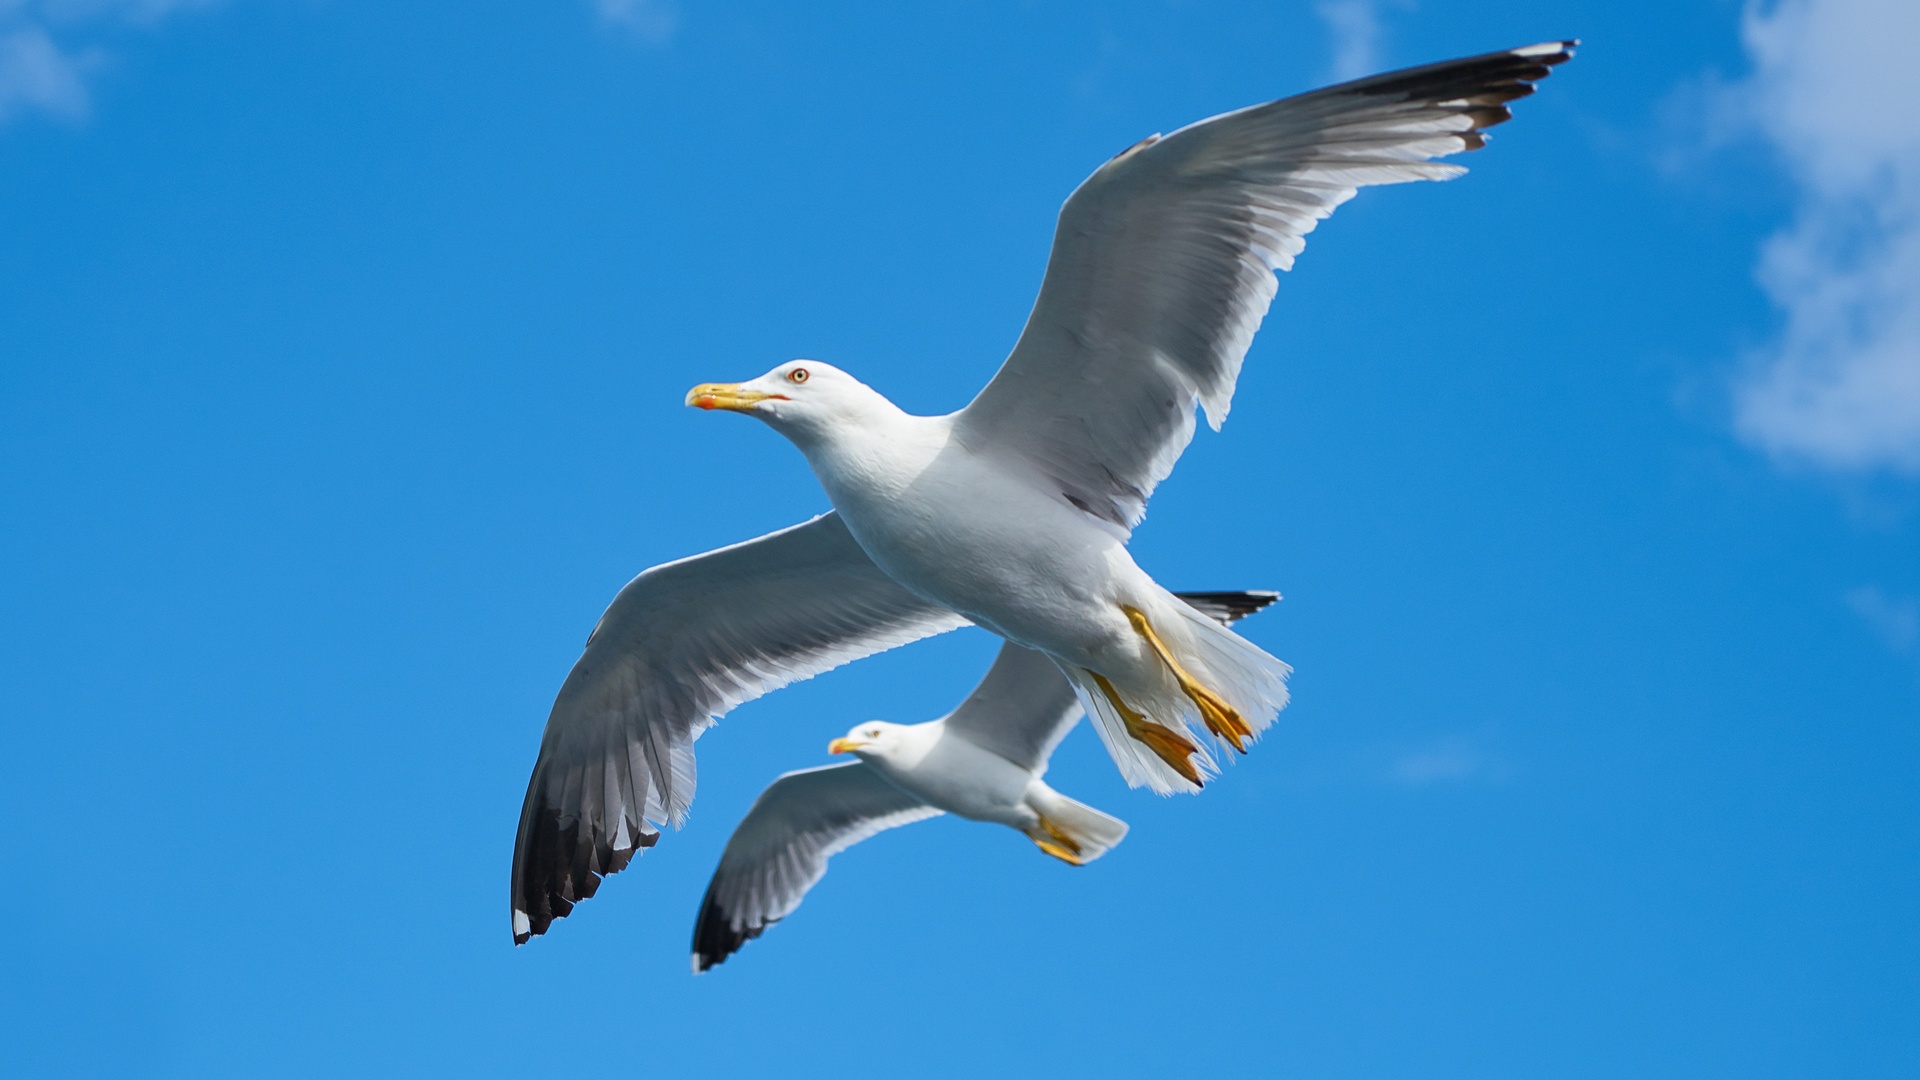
1014,512
983,761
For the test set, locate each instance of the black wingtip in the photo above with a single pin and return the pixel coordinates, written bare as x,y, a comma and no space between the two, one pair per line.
1485,83
1549,52
714,937
1230,607
558,863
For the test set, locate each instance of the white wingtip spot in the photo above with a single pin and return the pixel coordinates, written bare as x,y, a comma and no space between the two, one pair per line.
1547,48
521,924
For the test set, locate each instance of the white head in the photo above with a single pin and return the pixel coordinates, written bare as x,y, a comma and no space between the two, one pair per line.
802,399
871,740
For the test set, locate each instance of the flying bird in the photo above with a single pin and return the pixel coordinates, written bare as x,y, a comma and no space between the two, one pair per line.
982,761
1014,512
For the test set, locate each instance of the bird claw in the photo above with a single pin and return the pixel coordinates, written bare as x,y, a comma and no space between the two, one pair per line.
1221,718
1167,744
1055,842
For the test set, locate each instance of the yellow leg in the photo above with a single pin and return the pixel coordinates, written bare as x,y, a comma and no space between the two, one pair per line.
1167,744
1050,839
1221,718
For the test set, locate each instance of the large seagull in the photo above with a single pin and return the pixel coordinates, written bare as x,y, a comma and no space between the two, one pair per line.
1014,512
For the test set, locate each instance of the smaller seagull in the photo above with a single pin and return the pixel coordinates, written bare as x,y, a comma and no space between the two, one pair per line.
983,761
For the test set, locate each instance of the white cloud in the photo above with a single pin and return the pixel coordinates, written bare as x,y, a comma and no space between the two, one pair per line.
40,73
132,11
1895,621
35,74
1451,761
652,21
1354,26
1836,93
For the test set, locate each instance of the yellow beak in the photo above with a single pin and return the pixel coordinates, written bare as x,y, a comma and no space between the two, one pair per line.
729,396
843,746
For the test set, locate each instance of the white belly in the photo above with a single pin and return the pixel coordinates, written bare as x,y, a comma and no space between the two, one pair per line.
963,779
998,548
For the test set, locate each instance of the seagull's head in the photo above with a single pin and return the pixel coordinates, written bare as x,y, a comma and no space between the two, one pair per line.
799,399
873,739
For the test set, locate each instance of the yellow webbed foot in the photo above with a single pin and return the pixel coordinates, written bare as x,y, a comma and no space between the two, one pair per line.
1167,744
1049,838
1221,718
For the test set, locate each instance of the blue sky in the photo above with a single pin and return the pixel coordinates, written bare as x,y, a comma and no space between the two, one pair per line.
342,348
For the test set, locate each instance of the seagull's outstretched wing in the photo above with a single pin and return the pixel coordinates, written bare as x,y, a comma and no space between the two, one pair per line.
1163,265
1024,706
682,644
1021,710
781,849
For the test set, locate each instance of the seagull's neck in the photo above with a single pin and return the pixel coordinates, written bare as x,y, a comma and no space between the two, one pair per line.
877,448
907,746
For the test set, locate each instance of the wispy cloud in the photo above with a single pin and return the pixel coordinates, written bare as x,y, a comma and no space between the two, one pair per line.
1449,761
129,11
49,48
1895,621
1833,91
36,74
1354,26
1458,760
651,21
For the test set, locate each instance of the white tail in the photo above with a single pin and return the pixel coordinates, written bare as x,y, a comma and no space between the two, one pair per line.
1240,672
1138,766
1093,832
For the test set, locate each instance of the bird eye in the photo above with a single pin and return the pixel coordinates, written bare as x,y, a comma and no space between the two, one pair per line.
798,375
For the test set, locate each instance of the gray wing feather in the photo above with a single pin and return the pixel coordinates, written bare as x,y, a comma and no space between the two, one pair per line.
1021,709
682,644
782,846
1163,266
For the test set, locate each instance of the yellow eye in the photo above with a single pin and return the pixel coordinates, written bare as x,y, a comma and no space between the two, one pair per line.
798,375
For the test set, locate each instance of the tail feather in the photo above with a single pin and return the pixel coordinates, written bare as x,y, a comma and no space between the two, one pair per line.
1139,766
1094,832
1240,672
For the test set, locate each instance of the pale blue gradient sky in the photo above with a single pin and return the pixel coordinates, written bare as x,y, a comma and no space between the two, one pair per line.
342,349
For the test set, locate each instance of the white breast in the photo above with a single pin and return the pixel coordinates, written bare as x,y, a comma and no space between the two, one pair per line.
963,531
945,770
